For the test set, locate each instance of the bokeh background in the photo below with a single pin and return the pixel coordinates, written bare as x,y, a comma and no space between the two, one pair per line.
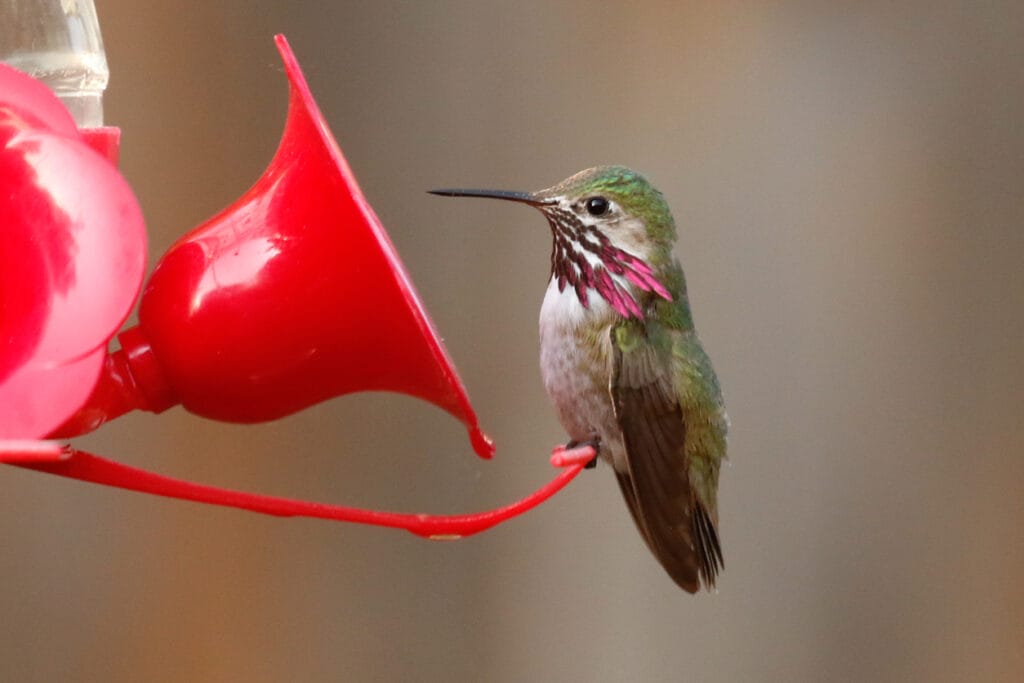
847,180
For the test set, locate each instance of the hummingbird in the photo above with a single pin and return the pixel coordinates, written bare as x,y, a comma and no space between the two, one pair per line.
621,361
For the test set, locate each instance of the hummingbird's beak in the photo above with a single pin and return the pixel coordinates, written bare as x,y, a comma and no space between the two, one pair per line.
523,197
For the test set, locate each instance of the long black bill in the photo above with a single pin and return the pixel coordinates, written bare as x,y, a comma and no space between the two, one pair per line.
524,197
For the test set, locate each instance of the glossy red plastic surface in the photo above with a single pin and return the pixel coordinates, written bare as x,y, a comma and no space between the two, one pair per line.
71,261
30,452
106,141
29,101
294,294
76,464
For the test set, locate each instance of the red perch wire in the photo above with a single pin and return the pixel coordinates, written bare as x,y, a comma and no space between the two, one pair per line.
65,461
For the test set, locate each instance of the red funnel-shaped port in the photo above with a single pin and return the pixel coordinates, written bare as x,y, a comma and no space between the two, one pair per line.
72,255
291,296
294,294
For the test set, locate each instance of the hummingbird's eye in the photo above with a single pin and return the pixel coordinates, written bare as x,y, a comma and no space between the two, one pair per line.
597,206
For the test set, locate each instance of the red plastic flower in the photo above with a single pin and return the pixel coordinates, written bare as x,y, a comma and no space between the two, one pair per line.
71,259
271,268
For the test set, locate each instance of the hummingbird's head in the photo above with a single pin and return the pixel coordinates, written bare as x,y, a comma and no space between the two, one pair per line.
612,233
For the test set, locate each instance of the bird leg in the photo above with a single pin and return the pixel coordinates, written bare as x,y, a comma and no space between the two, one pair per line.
577,452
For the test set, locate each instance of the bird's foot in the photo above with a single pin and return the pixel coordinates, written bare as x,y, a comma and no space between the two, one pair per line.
576,453
581,446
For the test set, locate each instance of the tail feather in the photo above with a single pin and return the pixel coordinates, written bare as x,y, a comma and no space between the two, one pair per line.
682,537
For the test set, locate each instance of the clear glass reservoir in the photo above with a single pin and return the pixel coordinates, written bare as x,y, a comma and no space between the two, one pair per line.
59,43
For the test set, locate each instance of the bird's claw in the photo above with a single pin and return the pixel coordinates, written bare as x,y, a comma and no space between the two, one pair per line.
576,453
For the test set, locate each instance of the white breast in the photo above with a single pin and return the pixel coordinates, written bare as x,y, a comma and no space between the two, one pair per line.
575,377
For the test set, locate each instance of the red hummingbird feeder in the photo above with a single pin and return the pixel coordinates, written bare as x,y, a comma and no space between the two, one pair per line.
254,315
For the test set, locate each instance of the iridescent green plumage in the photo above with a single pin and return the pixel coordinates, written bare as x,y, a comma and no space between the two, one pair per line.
623,365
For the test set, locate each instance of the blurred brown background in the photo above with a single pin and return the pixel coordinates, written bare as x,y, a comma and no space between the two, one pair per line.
847,179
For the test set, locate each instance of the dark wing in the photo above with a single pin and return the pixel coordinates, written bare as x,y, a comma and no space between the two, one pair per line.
656,486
